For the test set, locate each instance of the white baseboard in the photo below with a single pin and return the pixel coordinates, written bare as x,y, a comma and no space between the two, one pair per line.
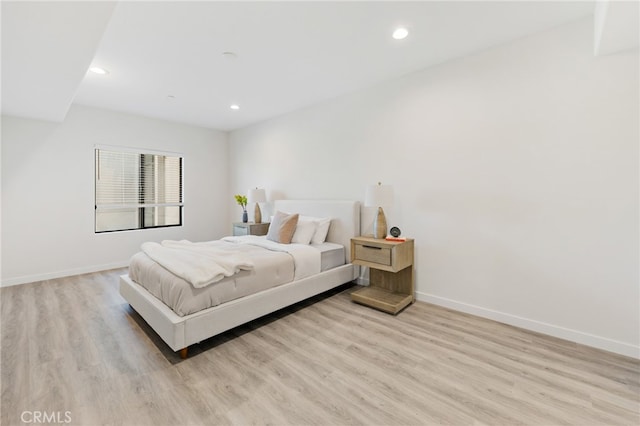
537,326
59,274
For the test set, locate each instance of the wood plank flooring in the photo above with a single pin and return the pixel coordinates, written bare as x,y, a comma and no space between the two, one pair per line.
74,345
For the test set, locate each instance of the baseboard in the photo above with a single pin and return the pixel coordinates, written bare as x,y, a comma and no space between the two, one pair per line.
537,326
60,274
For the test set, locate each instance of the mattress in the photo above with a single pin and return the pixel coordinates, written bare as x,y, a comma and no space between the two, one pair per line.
331,255
271,268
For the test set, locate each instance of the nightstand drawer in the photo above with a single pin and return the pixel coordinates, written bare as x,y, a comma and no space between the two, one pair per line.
240,230
250,228
381,255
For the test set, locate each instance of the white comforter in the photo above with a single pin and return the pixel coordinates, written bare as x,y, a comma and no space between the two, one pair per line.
203,264
306,259
200,264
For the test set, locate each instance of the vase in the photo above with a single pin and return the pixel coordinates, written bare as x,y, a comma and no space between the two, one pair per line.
245,217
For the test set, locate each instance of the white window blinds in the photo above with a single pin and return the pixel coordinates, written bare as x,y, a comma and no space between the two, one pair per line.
137,190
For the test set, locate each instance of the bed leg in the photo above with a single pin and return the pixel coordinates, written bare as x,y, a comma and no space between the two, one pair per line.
183,353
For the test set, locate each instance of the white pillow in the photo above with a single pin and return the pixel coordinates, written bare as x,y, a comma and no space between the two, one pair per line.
322,228
304,231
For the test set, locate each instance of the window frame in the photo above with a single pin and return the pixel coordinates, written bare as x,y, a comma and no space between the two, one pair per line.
141,205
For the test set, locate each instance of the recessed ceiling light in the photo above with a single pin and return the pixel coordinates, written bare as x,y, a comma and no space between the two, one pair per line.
400,33
234,106
98,70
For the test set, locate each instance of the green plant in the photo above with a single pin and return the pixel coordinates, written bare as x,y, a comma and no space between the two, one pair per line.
241,200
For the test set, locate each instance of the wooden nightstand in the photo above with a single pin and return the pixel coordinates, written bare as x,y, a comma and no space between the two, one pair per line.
391,284
250,228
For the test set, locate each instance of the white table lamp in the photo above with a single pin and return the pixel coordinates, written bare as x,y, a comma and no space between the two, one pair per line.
257,196
378,196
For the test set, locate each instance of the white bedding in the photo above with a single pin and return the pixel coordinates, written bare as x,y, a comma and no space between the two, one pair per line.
306,258
274,265
200,264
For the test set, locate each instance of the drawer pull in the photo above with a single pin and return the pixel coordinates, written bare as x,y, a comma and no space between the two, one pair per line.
372,247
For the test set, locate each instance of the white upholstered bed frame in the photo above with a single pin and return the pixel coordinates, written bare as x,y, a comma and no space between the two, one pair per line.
181,332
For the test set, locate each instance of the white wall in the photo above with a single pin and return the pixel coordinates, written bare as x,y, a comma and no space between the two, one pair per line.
516,171
48,191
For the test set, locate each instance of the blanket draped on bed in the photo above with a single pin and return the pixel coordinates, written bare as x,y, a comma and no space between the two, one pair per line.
197,263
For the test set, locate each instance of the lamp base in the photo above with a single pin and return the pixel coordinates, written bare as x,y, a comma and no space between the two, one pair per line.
380,225
257,214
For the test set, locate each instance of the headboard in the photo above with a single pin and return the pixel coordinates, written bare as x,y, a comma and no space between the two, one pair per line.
345,218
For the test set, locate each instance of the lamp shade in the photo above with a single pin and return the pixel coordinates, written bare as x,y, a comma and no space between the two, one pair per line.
378,196
257,195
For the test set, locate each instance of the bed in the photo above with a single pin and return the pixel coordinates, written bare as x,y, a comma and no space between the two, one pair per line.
188,328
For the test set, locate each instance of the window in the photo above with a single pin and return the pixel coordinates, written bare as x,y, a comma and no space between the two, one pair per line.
137,190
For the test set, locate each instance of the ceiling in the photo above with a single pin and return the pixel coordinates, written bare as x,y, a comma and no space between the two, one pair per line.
165,59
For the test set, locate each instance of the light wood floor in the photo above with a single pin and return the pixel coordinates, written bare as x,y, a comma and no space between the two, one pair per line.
74,345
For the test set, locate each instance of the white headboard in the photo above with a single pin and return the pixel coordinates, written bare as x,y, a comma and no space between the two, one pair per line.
345,218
